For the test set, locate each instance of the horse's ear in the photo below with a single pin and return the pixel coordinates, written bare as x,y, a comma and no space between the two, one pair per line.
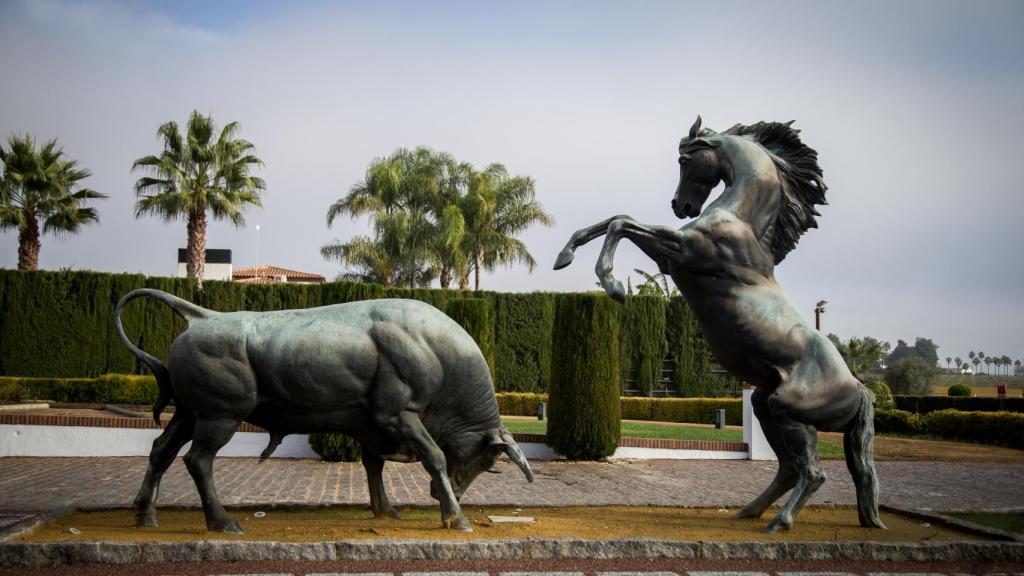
695,129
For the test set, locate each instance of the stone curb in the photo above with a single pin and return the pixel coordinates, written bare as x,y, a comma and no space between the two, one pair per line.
17,554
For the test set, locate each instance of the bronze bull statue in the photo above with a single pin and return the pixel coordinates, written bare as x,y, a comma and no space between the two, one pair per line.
399,376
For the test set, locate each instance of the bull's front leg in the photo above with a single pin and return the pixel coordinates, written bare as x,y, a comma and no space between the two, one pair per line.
581,237
661,243
411,428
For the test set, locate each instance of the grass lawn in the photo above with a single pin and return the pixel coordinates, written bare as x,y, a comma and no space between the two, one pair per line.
632,429
1012,522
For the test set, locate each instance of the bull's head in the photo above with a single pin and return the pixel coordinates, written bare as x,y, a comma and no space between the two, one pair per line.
474,453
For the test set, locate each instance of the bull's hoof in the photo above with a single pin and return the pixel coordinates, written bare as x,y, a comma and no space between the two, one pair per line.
389,512
564,259
744,513
146,521
227,525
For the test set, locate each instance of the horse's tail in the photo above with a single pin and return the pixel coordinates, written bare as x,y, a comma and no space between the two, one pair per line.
186,310
858,443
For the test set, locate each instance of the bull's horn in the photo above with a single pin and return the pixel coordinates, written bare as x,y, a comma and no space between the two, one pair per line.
516,455
695,129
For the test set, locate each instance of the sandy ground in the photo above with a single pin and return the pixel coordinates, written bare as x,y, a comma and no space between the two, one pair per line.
596,523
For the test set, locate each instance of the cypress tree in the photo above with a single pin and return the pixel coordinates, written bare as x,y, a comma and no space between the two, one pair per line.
584,401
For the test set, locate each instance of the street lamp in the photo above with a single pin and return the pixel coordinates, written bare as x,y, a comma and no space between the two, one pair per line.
819,309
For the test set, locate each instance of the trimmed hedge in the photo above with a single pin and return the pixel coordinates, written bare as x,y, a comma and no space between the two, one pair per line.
474,315
106,389
584,399
642,343
926,404
689,410
897,422
998,428
59,324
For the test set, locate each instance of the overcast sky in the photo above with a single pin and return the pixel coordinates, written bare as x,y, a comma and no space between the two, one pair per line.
916,110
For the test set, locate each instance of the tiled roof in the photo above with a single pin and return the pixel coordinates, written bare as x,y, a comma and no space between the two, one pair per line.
253,274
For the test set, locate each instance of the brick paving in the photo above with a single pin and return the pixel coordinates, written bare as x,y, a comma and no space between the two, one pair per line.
47,483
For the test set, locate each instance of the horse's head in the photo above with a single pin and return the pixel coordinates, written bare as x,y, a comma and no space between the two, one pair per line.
699,172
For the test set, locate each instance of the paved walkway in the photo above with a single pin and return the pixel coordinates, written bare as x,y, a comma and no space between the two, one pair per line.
48,483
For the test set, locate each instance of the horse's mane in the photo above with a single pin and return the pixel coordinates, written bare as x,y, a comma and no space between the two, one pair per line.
802,185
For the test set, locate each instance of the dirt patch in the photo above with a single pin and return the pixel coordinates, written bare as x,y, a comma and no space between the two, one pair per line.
595,523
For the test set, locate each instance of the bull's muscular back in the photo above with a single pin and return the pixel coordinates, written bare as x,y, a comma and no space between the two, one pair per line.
333,366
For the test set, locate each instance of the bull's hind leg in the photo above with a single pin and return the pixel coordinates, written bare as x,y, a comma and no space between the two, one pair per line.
379,503
210,436
786,476
165,448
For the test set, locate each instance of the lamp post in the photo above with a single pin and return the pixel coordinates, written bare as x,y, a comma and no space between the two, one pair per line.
819,309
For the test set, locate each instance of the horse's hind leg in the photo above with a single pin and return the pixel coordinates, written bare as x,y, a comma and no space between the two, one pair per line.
802,443
379,503
165,448
210,436
786,476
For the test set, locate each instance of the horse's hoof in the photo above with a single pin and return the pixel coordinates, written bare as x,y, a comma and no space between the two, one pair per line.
564,259
462,525
776,524
227,525
146,521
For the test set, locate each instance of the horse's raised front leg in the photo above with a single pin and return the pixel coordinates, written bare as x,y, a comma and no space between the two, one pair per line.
581,237
661,243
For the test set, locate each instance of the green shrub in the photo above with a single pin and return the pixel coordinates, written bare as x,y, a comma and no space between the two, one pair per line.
910,375
475,317
882,396
960,390
897,422
584,397
334,447
1000,428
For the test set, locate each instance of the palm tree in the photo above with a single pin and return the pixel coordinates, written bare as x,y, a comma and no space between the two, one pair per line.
948,360
497,208
959,363
41,186
654,285
395,194
197,173
1016,365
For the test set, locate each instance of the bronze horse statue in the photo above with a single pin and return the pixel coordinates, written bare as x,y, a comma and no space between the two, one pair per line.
723,262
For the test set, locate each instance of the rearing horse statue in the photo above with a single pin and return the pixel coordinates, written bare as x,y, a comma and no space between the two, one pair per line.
723,262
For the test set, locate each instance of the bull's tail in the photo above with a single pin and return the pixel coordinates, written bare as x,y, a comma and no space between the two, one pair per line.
183,308
858,443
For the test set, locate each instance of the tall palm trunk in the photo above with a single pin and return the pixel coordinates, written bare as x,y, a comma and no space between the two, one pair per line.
28,244
195,252
446,276
478,262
